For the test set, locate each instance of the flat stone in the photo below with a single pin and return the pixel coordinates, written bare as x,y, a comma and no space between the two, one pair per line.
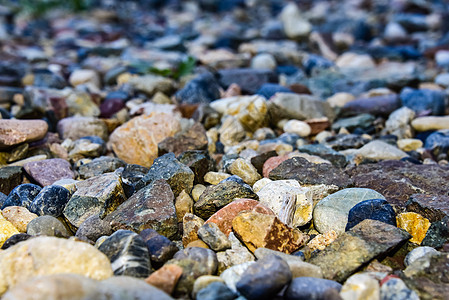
93,228
415,224
48,171
336,158
374,209
278,194
218,196
303,288
371,238
77,127
430,123
128,254
378,150
379,105
99,166
151,207
14,132
215,177
136,141
223,217
432,207
423,100
51,255
10,177
193,139
265,278
19,217
360,287
258,230
362,121
165,278
97,195
307,173
409,144
298,127
151,84
51,200
331,213
47,225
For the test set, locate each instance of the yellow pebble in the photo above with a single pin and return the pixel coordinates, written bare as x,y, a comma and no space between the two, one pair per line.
415,224
6,230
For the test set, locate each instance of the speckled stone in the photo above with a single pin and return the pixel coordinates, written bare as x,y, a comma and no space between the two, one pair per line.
22,195
77,127
160,248
14,132
99,166
321,241
191,224
395,289
51,201
418,253
432,207
211,234
244,170
415,224
10,177
93,228
128,254
18,216
375,209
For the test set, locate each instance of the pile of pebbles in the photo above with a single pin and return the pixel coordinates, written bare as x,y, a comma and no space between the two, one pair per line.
225,150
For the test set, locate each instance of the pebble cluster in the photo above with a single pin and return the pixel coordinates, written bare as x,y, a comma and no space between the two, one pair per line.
240,149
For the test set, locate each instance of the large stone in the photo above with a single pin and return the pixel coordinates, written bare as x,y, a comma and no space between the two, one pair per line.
258,230
232,275
136,141
432,207
14,132
292,203
167,167
218,196
77,127
151,207
430,123
128,254
97,195
331,213
48,171
50,255
307,173
51,200
370,238
193,139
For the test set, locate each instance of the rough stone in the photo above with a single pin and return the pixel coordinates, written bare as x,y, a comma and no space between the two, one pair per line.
321,241
183,205
165,278
374,209
7,230
432,207
77,127
303,288
382,105
336,158
51,200
10,177
14,132
22,195
249,80
18,216
48,171
193,139
93,228
99,166
191,224
199,162
160,248
244,170
415,224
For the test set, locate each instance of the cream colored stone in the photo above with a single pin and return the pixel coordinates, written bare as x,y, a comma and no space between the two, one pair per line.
82,76
183,205
259,184
409,144
244,170
360,287
18,216
215,177
430,123
340,99
354,60
298,127
6,231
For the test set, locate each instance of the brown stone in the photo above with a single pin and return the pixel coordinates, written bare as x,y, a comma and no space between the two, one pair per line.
318,125
48,171
432,207
136,141
191,224
197,243
165,278
271,163
14,132
18,216
223,218
78,127
194,139
183,205
258,230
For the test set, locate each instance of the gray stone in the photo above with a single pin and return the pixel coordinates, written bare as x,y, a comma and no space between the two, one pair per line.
99,166
93,228
232,275
337,159
305,288
213,237
78,127
398,123
395,289
362,121
10,177
418,253
378,150
215,290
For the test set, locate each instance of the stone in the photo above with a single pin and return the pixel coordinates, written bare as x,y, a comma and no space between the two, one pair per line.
176,174
258,230
82,103
442,79
202,89
353,60
303,288
378,150
437,143
15,239
371,238
51,255
215,177
22,195
223,217
306,173
398,180
160,248
336,158
47,225
297,266
432,207
298,127
244,170
345,141
99,166
265,278
294,24
93,228
151,84
97,195
374,209
7,230
197,243
131,175
382,105
215,290
193,139
211,234
13,131
77,127
19,217
199,162
331,213
417,253
231,131
398,123
232,275
292,203
89,146
165,278
239,254
48,171
437,234
183,205
360,286
395,289
128,254
361,122
415,224
135,142
249,80
51,201
263,61
218,196
409,144
197,190
259,184
151,207
298,107
83,76
340,99
427,276
322,240
430,123
423,100
190,224
10,177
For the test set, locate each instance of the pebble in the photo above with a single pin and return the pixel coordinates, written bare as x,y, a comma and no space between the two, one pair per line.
311,288
47,225
244,170
395,289
22,195
19,217
13,132
378,150
430,123
415,224
298,127
7,230
51,201
360,286
211,234
215,290
165,278
374,209
407,145
418,253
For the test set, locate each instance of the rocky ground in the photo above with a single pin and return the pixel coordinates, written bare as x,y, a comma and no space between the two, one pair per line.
239,149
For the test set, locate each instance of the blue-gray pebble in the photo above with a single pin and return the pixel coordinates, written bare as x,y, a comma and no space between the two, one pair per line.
374,209
309,288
